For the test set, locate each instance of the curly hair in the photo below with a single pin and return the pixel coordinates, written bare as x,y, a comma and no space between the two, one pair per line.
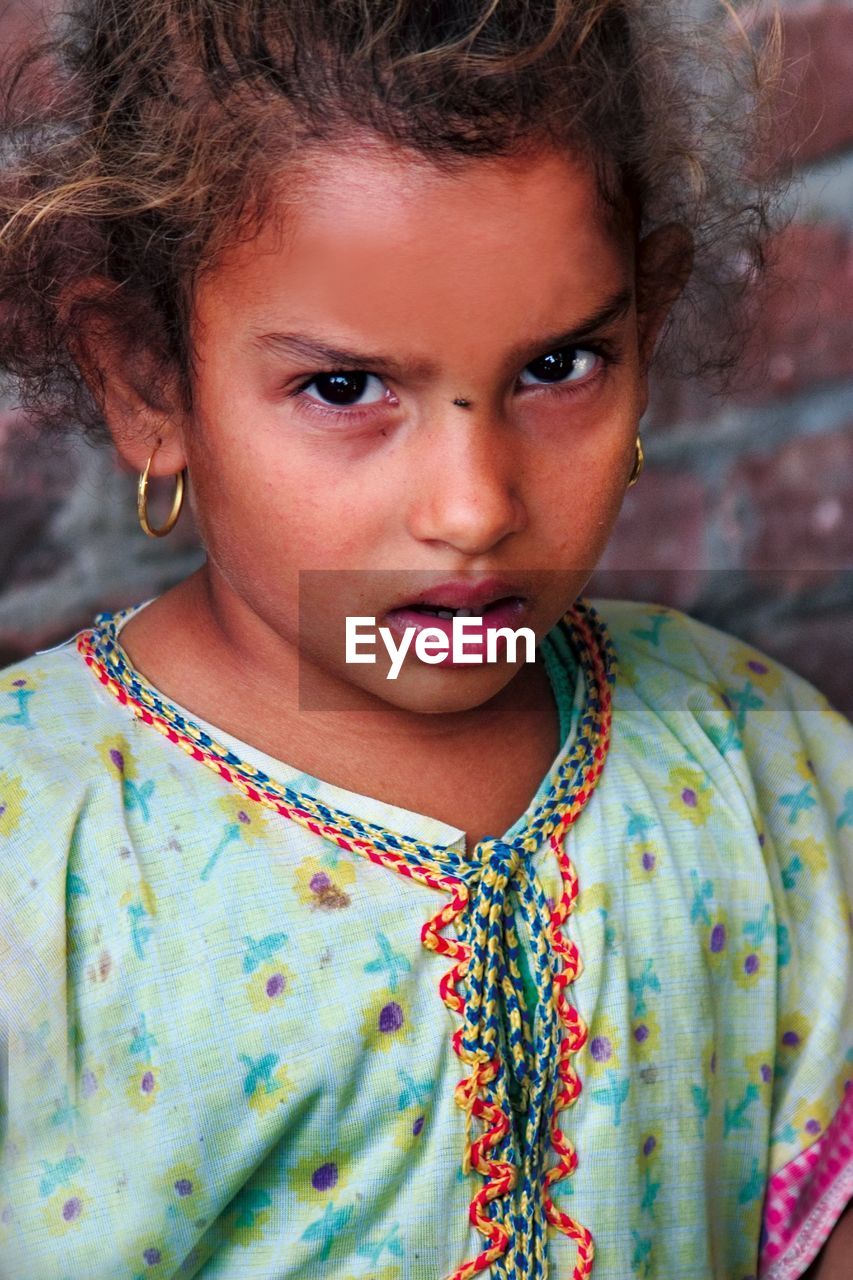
141,140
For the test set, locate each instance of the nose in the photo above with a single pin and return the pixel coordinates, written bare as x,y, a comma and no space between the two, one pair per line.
465,490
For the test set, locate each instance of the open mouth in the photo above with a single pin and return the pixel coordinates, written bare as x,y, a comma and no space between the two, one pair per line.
490,629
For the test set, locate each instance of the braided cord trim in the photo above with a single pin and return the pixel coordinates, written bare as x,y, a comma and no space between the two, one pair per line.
572,966
520,1254
484,954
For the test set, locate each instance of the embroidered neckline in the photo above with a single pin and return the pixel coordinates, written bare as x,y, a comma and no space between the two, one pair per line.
514,1205
102,641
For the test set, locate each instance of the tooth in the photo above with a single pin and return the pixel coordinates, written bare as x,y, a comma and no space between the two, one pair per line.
445,613
465,613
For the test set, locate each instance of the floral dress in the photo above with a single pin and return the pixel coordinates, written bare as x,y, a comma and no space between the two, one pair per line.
258,1027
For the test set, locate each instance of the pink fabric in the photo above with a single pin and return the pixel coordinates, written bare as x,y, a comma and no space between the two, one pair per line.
806,1198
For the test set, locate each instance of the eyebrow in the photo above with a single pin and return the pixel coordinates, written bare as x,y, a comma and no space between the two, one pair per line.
311,348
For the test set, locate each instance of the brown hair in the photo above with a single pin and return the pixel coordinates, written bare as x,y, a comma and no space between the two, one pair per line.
140,140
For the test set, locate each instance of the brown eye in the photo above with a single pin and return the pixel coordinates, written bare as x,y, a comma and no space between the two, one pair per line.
568,364
345,388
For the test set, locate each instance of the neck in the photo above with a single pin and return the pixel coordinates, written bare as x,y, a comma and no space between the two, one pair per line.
202,646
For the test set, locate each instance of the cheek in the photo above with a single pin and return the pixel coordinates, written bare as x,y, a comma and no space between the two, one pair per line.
582,535
582,497
284,512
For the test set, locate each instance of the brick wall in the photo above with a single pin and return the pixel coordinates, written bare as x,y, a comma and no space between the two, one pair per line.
743,516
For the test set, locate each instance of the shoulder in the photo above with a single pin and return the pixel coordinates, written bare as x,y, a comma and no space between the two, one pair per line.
668,649
734,710
56,726
49,704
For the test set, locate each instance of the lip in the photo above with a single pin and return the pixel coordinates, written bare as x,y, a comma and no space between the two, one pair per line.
458,593
511,614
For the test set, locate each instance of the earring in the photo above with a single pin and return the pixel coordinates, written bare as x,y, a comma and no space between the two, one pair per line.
142,501
637,469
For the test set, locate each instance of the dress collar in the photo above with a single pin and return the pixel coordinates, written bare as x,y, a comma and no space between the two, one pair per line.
565,651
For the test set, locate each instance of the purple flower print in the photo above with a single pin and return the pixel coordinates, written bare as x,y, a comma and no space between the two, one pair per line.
117,759
601,1049
690,795
790,1039
88,1083
243,817
751,964
391,1017
417,1126
146,1084
766,1073
718,938
641,1033
326,892
184,1187
151,1256
72,1209
813,1126
760,668
325,1178
649,1145
649,861
274,985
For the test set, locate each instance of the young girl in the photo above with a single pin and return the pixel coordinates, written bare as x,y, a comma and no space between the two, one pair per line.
508,968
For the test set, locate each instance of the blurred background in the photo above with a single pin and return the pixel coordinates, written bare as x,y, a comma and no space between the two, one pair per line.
742,517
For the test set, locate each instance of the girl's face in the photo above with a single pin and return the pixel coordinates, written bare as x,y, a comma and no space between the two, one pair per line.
325,433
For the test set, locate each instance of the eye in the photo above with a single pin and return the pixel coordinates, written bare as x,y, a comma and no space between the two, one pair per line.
568,364
345,388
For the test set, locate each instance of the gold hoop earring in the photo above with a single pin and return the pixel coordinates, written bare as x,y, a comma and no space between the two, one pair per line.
639,459
142,501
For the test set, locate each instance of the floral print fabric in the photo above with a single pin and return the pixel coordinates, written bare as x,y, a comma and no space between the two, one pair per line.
227,1053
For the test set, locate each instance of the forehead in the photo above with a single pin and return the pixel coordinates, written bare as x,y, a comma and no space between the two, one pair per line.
368,228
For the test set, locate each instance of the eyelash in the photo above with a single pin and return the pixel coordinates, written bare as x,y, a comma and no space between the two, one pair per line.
604,351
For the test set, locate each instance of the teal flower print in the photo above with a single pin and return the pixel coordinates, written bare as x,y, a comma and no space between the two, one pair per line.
326,1230
15,694
388,961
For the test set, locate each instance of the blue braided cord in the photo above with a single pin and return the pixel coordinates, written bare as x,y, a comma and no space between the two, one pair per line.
546,1055
539,1072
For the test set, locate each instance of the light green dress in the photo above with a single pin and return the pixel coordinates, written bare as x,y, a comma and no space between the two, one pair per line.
232,1054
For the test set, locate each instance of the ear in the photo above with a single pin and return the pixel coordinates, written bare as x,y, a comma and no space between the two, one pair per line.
123,377
663,263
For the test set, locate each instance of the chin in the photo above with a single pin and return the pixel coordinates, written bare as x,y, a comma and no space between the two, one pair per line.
445,689
422,689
